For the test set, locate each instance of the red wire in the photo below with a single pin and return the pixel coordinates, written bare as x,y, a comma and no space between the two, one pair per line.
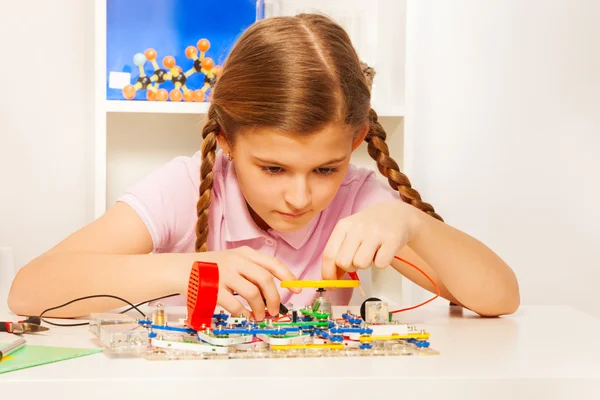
437,289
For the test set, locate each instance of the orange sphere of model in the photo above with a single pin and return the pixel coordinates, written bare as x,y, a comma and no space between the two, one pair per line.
150,54
162,95
198,96
169,62
190,52
150,95
175,95
203,45
188,96
208,63
129,92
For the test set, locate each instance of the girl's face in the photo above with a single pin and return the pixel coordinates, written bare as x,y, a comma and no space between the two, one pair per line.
288,179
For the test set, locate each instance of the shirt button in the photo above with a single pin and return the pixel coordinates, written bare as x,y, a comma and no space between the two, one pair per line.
269,242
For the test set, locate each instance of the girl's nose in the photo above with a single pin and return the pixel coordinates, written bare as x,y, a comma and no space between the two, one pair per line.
298,195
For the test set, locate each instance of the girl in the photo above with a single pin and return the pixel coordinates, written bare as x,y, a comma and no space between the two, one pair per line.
278,201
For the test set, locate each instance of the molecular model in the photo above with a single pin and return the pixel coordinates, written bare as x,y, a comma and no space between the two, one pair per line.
172,72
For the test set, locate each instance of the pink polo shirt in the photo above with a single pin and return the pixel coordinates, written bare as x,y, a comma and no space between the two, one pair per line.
166,202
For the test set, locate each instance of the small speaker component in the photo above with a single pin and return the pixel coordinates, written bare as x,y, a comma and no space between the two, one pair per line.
203,289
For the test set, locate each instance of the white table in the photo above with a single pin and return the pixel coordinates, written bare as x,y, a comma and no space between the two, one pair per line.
538,353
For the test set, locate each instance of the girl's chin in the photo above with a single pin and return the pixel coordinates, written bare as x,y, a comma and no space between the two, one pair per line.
287,223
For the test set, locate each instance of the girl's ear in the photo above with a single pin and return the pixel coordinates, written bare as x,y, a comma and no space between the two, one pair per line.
361,135
223,143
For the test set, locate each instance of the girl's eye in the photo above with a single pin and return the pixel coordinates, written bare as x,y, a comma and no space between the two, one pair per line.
272,170
326,171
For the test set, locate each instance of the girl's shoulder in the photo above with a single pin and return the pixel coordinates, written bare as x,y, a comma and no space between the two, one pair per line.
357,175
363,187
189,166
166,199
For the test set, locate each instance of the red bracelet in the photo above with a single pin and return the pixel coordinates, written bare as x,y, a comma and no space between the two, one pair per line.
203,289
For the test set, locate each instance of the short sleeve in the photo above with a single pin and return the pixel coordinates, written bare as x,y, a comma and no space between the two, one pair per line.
373,191
165,200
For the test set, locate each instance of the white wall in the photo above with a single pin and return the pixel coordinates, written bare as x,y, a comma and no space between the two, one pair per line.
505,141
46,116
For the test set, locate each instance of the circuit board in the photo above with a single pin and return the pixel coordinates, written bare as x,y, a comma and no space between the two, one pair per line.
310,331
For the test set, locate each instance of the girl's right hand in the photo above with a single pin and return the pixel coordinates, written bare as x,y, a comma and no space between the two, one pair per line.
250,273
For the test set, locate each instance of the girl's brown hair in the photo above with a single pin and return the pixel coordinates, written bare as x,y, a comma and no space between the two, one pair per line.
295,74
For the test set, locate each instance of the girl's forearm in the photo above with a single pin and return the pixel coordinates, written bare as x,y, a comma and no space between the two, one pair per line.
56,278
477,277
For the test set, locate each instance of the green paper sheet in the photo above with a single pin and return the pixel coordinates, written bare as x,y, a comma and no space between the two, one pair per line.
31,356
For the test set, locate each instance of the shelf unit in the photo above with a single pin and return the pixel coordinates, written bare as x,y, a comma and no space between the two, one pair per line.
167,107
132,138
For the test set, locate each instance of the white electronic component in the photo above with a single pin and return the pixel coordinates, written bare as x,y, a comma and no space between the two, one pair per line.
255,345
300,339
224,341
352,344
319,340
236,320
376,312
389,329
189,346
384,330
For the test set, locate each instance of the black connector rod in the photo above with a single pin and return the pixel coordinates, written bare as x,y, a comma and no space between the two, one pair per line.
283,309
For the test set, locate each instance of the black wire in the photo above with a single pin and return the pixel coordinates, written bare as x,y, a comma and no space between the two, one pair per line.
55,324
132,307
149,301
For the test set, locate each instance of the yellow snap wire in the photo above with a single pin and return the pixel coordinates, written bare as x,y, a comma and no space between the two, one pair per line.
320,284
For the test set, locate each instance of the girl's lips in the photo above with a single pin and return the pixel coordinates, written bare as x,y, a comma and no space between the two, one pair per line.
292,215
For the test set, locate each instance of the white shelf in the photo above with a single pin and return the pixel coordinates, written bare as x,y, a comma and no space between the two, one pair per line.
159,107
167,107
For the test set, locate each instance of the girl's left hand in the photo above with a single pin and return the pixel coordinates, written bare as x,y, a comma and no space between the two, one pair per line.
371,236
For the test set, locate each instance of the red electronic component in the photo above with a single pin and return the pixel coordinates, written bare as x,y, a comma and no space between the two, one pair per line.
203,289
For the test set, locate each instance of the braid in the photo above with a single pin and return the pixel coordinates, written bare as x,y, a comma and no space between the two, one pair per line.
209,146
378,150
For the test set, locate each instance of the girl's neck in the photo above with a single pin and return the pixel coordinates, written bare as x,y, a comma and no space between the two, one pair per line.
257,219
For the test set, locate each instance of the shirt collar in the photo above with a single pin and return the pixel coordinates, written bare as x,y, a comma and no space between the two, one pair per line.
298,238
239,225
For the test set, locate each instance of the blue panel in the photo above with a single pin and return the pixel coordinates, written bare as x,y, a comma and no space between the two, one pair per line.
169,26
